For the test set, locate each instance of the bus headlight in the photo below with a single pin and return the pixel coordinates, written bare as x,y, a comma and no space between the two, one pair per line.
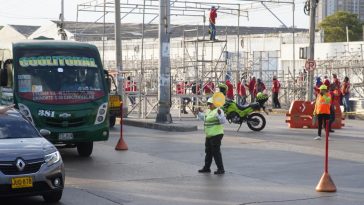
101,114
26,112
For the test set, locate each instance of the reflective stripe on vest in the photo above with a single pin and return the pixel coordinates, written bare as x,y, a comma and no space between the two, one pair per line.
212,124
323,104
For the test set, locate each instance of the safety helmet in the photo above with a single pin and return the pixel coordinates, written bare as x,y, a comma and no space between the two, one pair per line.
210,101
323,87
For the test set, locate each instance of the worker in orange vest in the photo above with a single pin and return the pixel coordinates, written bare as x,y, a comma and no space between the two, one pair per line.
322,109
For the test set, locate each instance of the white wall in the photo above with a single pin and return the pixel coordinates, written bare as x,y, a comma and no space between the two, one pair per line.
8,35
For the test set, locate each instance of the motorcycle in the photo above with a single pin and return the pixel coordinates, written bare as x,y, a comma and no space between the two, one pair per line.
238,114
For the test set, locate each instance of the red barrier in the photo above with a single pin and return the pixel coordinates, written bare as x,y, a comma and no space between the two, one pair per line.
300,115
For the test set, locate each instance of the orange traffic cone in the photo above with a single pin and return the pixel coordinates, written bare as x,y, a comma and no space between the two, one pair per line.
121,145
326,184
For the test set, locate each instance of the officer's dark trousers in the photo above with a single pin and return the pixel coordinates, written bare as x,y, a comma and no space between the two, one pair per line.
212,150
322,118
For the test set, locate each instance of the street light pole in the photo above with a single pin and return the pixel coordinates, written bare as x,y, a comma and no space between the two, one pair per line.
119,65
313,5
164,85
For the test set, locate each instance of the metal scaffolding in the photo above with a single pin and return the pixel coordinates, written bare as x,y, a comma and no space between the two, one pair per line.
196,62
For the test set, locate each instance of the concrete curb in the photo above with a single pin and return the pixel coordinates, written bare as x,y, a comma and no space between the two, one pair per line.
174,127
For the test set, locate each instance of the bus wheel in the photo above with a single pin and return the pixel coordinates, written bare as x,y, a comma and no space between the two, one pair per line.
85,148
112,120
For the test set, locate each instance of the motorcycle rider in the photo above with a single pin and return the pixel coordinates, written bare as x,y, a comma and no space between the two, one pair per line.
213,119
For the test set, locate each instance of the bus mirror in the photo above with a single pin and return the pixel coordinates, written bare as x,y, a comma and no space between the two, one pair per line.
4,77
108,80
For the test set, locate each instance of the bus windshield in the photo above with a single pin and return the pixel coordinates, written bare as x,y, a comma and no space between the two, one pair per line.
58,79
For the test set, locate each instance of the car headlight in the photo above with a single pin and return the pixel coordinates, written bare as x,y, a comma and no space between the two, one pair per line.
52,158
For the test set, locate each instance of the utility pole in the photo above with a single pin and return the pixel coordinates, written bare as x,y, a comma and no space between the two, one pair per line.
164,86
61,25
313,5
119,65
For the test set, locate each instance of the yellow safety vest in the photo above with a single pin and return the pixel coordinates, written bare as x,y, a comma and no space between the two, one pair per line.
212,124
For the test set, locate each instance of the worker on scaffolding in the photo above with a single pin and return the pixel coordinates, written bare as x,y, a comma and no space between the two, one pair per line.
212,19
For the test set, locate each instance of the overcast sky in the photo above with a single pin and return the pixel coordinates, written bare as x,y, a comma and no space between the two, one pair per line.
37,12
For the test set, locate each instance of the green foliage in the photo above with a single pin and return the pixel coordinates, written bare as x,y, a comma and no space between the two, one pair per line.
334,27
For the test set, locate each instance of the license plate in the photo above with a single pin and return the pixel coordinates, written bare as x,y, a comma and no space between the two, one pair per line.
65,136
21,182
114,101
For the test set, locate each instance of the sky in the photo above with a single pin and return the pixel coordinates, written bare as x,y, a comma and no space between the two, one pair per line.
38,12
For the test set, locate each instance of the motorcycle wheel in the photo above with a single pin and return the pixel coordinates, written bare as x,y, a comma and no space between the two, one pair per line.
256,121
233,117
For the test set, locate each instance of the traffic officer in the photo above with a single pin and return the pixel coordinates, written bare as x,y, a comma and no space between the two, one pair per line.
322,109
214,130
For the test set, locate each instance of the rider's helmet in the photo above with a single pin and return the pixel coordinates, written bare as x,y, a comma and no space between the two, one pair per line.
223,88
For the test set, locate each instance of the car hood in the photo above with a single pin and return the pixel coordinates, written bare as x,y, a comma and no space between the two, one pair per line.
25,148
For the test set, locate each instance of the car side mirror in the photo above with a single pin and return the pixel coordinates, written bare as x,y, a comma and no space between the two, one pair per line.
44,132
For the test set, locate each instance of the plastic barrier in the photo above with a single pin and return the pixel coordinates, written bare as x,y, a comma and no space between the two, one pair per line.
300,115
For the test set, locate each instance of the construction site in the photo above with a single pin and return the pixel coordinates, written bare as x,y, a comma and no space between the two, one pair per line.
239,52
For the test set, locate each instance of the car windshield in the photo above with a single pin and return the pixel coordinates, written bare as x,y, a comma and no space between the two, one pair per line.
14,128
65,78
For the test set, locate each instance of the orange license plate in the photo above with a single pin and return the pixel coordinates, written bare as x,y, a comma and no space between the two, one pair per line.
21,182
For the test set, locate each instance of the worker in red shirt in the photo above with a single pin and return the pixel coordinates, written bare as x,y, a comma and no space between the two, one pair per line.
326,81
259,87
345,90
337,83
230,91
275,91
209,87
241,91
129,87
251,87
181,90
334,101
212,19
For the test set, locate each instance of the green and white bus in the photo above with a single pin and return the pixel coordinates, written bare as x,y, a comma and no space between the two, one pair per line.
59,86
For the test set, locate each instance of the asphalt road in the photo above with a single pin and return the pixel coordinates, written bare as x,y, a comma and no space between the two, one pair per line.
276,166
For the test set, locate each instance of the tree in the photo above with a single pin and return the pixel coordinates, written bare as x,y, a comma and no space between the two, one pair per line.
334,27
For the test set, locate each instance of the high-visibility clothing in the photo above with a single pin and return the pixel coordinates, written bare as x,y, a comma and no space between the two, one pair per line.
212,124
323,103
